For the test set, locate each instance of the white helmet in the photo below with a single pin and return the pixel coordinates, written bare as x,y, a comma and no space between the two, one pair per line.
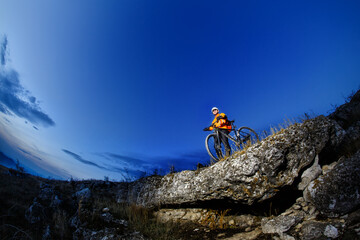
214,108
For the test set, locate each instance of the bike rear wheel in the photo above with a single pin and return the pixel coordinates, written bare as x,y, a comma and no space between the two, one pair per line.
247,136
217,154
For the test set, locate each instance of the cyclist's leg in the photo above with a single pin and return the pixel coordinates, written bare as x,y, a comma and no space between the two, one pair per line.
225,141
217,146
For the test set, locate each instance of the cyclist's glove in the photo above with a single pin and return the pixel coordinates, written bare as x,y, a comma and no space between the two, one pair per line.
206,129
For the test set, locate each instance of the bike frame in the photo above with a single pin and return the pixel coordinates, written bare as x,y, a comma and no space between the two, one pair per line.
236,140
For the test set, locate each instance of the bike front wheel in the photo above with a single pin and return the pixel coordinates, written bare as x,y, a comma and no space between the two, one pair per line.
210,146
247,136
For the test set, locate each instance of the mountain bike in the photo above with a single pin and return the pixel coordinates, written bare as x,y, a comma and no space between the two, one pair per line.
238,139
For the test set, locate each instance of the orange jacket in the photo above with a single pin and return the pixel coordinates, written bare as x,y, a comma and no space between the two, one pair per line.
222,123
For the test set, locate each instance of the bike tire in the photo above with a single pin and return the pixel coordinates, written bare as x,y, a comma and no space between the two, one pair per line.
210,146
247,136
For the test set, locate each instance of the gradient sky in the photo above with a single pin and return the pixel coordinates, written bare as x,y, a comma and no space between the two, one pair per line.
116,88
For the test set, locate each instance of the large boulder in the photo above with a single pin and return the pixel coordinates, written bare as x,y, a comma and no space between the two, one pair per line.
338,191
315,230
279,224
247,177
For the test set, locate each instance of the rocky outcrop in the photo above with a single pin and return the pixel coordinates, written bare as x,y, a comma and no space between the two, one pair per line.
318,160
254,175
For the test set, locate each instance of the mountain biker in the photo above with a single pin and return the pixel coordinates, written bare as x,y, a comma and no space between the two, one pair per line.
221,123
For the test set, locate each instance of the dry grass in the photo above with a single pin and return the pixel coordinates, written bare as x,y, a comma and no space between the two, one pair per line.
60,220
215,219
17,191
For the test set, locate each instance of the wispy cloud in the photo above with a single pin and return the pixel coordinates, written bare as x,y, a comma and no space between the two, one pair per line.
127,171
3,50
129,174
30,154
123,159
14,98
80,159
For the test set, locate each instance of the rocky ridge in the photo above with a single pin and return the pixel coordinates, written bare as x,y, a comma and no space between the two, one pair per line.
314,165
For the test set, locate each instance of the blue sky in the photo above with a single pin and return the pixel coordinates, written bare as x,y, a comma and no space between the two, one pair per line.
116,88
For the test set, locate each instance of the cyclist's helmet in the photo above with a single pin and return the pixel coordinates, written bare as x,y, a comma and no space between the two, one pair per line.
214,108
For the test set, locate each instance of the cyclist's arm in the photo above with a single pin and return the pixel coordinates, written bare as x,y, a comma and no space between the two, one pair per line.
221,116
212,127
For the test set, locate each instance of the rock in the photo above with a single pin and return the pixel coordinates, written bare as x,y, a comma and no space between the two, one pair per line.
246,235
46,194
192,216
284,236
107,217
351,142
47,234
331,231
287,212
296,207
353,219
326,229
189,214
310,174
206,217
348,113
313,230
312,210
35,213
279,224
348,118
253,176
106,234
55,202
74,222
83,194
337,192
327,168
347,145
245,221
122,192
